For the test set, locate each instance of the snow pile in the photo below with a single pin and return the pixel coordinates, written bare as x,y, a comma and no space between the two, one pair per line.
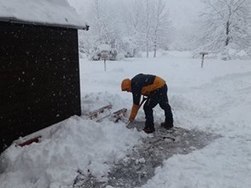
77,144
56,12
233,53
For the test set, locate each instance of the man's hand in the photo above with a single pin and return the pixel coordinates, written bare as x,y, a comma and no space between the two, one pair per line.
134,112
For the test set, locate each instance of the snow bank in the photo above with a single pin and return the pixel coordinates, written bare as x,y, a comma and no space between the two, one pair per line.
77,144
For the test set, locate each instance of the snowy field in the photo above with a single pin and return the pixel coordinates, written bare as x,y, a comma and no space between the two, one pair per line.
214,99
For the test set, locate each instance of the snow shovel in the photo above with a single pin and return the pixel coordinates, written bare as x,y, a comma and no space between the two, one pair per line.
141,103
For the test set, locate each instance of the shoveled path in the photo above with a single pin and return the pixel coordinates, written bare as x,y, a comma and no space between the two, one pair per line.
139,165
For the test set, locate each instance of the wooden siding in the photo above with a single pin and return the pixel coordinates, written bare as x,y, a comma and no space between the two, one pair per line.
39,78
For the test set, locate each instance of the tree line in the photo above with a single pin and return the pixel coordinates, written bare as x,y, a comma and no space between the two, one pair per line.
134,26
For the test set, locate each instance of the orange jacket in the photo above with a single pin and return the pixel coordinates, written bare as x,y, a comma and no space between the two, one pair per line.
143,84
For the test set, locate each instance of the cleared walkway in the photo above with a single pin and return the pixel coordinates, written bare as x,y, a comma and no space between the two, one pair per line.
139,165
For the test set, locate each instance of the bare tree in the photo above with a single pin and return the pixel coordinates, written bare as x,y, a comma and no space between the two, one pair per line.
225,22
147,27
142,26
160,26
143,21
149,22
104,28
102,22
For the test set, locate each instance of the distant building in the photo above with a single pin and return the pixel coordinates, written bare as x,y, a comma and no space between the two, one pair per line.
39,66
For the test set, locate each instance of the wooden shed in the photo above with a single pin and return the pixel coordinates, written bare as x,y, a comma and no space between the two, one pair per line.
39,66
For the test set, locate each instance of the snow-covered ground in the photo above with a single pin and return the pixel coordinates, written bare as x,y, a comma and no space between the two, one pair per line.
215,99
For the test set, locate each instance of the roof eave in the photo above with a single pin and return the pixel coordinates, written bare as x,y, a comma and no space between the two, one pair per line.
19,21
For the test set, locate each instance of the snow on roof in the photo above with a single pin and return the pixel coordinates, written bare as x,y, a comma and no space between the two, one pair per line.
50,12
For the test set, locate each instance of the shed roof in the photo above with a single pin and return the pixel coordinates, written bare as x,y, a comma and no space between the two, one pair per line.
45,12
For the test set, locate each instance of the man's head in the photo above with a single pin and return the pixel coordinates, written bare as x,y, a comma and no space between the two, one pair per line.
126,85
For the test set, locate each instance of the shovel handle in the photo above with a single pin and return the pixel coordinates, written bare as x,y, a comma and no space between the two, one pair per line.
142,102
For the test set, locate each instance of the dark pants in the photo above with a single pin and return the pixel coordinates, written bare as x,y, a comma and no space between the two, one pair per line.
158,96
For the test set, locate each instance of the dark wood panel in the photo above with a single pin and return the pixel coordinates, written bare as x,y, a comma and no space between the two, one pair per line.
39,78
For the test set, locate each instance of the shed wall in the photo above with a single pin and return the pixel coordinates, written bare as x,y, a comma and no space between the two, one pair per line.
39,78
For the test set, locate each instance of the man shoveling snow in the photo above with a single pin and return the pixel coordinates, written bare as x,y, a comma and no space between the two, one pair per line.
155,89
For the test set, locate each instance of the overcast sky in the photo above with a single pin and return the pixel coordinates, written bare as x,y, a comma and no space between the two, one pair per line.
182,12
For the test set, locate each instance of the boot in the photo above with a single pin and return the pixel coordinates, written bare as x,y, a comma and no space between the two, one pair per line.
166,125
149,129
